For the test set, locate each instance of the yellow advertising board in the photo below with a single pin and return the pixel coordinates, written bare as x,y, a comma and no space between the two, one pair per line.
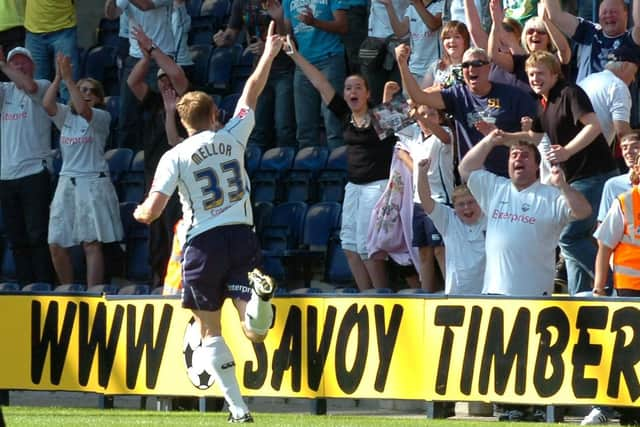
547,351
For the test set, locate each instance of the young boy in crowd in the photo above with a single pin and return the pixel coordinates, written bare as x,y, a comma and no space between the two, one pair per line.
463,230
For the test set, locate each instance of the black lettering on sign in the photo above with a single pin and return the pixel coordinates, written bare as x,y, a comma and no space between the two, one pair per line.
470,350
87,344
446,316
503,360
386,341
550,352
585,353
349,380
317,354
145,342
255,379
625,357
289,353
47,339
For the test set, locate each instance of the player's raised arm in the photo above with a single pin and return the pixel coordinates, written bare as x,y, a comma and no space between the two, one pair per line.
257,80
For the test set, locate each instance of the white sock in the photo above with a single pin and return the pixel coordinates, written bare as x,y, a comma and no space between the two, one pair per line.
220,357
258,315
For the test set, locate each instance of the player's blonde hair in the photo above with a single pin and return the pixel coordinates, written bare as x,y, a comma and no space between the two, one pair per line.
196,110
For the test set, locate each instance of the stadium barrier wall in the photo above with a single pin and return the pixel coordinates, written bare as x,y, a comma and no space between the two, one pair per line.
556,351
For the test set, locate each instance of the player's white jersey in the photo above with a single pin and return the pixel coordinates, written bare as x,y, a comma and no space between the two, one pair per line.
208,169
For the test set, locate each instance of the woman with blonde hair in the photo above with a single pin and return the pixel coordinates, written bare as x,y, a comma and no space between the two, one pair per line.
539,34
85,207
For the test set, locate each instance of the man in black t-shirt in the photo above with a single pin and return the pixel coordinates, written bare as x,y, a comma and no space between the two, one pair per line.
578,146
161,131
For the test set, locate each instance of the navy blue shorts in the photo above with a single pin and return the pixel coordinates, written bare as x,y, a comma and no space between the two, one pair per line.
215,266
424,232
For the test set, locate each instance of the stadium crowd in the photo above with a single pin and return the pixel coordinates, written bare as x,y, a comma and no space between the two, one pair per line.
518,147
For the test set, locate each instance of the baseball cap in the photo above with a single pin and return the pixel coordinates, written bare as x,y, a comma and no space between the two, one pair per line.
625,53
19,51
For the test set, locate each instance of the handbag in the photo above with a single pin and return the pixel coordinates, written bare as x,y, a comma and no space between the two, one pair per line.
372,52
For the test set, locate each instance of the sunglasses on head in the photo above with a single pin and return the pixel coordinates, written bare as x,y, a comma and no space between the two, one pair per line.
474,63
532,31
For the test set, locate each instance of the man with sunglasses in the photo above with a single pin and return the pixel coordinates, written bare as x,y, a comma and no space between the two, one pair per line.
478,107
595,41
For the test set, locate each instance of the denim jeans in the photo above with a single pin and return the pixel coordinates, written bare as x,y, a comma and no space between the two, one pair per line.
25,210
275,124
308,103
130,115
44,48
576,241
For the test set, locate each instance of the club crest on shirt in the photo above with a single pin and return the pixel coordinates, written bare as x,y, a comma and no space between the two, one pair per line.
525,207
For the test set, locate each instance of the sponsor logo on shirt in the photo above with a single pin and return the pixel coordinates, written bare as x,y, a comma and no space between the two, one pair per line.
511,217
243,113
14,116
74,140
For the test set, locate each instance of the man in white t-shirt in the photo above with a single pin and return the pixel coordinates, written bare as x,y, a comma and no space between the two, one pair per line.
221,249
25,190
153,17
608,91
524,217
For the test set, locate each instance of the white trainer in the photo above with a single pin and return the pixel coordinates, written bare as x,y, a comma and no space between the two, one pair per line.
595,417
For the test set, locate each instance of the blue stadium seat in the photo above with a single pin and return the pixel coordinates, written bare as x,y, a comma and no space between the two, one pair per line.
413,291
282,233
200,54
157,290
338,158
337,269
103,289
219,71
193,7
70,287
228,105
262,215
201,30
217,10
101,64
265,181
252,157
119,160
300,179
108,30
332,179
138,289
131,186
37,287
9,287
320,223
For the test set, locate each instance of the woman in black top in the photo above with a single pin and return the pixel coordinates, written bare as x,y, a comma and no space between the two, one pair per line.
368,163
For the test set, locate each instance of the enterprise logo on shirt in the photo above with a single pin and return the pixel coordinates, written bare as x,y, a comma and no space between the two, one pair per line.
14,116
511,217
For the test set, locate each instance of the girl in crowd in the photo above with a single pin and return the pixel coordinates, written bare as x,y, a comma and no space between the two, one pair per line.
369,160
447,70
85,206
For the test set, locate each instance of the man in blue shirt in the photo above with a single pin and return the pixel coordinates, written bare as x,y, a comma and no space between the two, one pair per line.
316,26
